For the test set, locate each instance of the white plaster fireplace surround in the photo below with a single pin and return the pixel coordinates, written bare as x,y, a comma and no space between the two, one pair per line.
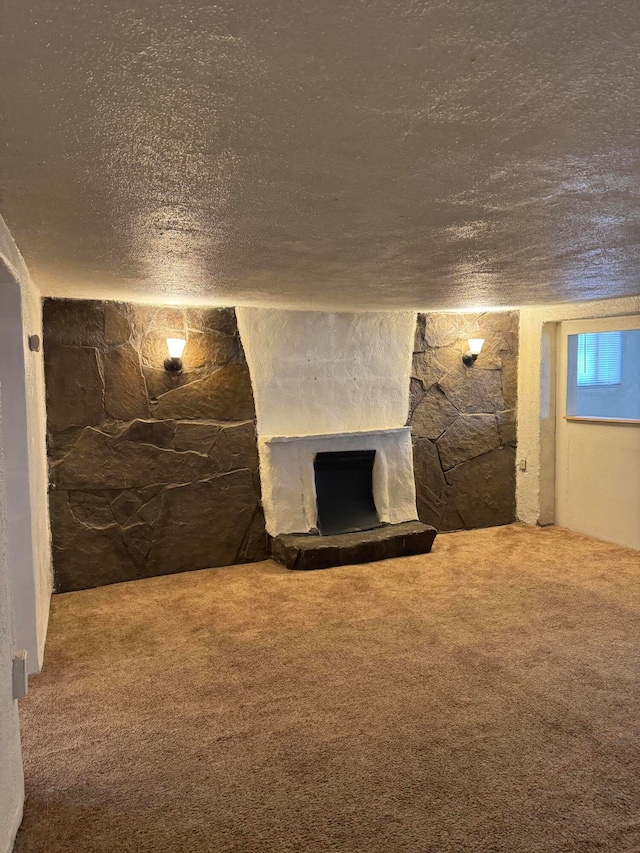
327,381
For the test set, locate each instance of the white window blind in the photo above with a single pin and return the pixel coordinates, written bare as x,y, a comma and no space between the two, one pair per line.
599,358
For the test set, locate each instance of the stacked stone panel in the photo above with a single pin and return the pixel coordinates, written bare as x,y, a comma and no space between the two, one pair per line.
463,420
150,473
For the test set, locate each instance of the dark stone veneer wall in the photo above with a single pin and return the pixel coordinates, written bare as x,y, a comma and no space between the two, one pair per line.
463,420
150,473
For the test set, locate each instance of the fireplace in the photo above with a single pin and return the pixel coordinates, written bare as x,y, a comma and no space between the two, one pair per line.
289,480
344,491
331,391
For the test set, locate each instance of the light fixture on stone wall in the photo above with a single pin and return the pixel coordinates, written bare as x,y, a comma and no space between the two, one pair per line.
174,362
475,348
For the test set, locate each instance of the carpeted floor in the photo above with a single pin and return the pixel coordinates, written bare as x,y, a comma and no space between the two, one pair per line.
485,697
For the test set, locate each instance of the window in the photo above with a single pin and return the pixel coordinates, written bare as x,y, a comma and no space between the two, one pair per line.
600,358
603,375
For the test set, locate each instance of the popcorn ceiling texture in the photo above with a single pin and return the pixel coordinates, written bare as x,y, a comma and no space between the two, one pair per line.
463,420
322,155
150,473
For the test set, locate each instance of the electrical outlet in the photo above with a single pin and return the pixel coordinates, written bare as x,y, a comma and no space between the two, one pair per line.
20,676
522,465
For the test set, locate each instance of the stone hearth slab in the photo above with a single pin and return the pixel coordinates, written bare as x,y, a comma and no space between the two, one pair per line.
307,551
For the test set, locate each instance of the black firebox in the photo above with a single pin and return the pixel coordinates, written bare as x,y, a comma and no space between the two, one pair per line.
344,489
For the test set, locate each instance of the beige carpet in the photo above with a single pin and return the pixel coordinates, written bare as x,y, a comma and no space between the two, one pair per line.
481,698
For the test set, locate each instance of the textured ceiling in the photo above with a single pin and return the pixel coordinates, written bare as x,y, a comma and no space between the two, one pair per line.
334,154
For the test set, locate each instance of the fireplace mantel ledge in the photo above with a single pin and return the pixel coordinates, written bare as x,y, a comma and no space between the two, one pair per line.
272,439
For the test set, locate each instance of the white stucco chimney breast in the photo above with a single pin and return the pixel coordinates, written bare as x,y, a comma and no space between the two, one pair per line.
329,382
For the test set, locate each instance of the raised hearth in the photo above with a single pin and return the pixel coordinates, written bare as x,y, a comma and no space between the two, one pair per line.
306,551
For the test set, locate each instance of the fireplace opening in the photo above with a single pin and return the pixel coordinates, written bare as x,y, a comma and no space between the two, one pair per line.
344,491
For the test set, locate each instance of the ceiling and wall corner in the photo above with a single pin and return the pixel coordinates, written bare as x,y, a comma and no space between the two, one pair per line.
328,155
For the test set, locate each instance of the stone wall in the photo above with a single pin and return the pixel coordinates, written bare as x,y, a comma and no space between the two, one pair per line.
463,420
150,473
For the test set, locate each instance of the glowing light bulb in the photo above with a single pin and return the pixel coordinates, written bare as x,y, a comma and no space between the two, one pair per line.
176,347
475,346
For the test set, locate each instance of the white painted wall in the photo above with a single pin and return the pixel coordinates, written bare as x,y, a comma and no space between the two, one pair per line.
38,468
22,378
316,372
11,778
597,465
535,487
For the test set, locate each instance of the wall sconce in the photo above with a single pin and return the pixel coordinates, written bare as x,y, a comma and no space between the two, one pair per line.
475,348
176,347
